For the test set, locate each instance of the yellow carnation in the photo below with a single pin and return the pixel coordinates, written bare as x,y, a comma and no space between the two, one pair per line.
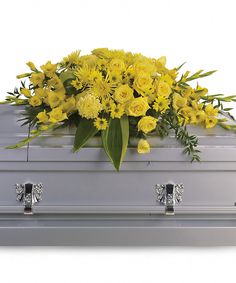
35,101
49,69
37,79
147,124
42,117
138,107
143,146
26,92
89,106
57,115
142,82
123,94
54,98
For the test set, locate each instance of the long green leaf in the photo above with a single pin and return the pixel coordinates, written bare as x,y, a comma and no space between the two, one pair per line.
84,132
115,140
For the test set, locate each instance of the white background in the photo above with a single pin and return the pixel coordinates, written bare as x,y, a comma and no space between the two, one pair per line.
199,32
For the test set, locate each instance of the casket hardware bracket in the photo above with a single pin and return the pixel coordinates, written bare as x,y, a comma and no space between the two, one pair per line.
169,194
29,194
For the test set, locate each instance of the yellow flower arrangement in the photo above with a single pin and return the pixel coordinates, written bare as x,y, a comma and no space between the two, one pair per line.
118,95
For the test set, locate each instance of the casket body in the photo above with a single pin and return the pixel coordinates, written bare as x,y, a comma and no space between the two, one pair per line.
86,202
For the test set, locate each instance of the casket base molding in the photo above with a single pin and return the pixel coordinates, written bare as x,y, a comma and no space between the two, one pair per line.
117,230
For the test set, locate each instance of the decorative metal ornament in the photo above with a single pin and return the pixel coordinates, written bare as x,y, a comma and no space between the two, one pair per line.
169,194
29,194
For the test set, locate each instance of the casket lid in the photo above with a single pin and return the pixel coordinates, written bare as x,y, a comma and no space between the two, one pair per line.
216,144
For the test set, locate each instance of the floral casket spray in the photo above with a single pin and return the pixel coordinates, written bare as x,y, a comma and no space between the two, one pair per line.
171,180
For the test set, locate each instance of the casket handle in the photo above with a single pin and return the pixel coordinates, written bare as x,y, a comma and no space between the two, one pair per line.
29,194
169,194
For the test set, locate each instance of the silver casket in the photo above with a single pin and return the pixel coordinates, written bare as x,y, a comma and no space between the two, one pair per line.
63,198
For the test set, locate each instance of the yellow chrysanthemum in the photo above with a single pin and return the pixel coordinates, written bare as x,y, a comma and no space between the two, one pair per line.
102,88
101,123
161,104
42,117
143,146
72,58
26,92
107,104
57,115
147,124
49,69
37,79
123,94
83,74
77,84
137,107
117,111
89,106
35,101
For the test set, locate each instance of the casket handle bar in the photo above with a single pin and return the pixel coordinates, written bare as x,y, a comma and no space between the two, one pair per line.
29,194
169,194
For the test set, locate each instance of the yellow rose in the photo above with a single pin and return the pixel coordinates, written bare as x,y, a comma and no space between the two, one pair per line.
147,124
117,65
26,92
142,82
37,79
143,146
123,94
42,117
163,89
35,101
56,115
54,98
138,107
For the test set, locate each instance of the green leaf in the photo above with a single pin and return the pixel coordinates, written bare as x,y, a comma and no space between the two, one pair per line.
84,132
68,75
115,140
